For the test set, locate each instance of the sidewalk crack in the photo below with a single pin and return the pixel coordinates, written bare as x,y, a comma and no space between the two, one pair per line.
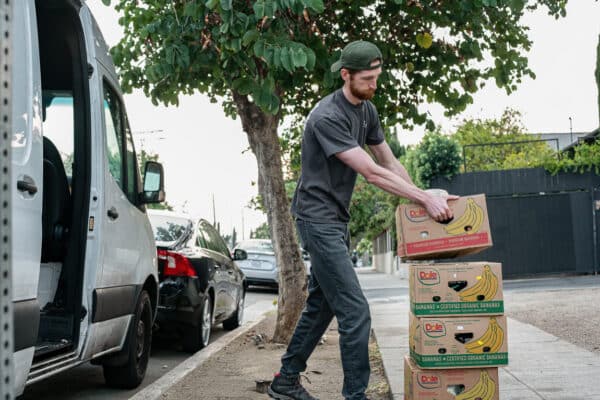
524,384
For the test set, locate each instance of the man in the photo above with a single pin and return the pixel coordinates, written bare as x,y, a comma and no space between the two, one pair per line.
332,154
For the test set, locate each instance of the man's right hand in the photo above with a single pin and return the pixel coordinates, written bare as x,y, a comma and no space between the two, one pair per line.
437,207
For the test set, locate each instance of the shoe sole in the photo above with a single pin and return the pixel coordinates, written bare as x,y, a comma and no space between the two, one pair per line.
278,396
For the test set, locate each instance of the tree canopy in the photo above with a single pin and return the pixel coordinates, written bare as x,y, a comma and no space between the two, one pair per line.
496,144
279,51
268,59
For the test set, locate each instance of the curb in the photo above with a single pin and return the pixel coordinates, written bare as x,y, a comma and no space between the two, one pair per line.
386,370
155,390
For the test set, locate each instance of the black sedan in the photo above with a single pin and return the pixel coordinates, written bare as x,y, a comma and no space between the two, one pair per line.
200,283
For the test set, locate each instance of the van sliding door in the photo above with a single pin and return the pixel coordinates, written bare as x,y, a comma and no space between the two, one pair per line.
27,179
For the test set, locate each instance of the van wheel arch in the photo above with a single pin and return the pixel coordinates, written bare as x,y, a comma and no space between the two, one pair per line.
136,351
151,287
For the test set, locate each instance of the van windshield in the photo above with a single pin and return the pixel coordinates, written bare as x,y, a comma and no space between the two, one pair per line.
168,229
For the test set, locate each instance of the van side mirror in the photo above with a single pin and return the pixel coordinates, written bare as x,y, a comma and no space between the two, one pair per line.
239,255
154,191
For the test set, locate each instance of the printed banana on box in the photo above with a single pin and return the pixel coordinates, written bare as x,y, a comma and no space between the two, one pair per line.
449,384
458,342
420,237
469,288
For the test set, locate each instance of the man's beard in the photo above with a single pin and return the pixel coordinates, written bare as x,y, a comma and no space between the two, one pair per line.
365,94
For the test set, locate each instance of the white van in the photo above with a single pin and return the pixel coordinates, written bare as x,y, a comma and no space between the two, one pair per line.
84,259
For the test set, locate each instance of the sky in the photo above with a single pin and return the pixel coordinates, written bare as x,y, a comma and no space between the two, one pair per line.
205,154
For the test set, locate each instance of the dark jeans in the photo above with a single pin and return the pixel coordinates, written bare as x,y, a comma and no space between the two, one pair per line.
333,290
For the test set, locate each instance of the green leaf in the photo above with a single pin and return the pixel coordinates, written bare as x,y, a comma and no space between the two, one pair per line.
250,37
226,5
243,86
259,9
269,83
259,48
277,57
316,5
310,59
268,55
286,61
224,27
270,8
424,40
211,4
106,2
189,10
299,57
273,104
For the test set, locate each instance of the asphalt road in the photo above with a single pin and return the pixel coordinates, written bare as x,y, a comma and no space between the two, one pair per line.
87,382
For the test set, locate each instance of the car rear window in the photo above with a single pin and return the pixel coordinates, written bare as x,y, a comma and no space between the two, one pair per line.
168,229
259,247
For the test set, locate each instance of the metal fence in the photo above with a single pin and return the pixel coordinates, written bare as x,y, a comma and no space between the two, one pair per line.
6,332
541,224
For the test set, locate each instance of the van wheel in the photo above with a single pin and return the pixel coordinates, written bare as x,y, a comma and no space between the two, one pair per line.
236,319
137,349
197,337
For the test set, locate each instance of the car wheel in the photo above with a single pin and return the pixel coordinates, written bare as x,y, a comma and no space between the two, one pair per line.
197,337
236,319
137,349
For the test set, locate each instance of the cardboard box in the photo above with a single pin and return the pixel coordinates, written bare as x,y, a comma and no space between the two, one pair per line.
458,342
449,384
420,237
470,288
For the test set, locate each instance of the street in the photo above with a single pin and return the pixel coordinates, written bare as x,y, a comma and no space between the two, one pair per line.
87,382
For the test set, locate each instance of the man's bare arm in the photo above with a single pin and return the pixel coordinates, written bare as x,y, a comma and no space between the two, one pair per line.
358,159
384,156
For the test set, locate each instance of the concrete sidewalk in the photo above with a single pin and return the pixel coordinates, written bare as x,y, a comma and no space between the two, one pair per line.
541,366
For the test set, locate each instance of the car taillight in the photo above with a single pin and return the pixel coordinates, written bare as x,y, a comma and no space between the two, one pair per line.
174,264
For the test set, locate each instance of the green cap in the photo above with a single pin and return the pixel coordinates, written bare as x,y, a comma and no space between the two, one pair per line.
358,56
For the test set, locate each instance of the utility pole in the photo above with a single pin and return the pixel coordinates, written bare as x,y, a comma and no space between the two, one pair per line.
214,211
571,128
243,230
142,139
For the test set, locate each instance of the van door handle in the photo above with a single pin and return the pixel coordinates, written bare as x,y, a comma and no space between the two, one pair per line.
112,213
25,186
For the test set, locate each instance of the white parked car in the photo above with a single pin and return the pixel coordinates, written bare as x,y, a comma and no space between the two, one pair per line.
84,277
260,268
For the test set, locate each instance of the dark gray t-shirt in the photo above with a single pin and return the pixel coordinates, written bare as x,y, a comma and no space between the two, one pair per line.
325,186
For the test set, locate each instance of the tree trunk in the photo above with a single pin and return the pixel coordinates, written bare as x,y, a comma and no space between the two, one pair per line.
261,129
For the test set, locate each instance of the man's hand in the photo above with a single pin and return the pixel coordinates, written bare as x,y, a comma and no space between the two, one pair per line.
437,207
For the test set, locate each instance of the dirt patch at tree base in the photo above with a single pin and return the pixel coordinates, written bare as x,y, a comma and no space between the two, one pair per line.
233,372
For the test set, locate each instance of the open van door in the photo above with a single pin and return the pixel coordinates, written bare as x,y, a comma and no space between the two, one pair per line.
26,185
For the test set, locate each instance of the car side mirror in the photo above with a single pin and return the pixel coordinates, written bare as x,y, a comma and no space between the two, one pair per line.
239,255
154,191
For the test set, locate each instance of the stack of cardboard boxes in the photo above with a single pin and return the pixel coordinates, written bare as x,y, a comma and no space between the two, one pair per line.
457,330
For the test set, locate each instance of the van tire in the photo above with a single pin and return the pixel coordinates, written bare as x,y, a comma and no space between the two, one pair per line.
137,349
196,337
236,319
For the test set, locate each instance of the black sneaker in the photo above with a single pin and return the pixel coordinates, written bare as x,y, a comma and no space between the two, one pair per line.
288,388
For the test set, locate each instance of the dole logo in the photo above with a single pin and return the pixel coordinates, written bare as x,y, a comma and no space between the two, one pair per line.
417,214
428,381
434,329
428,276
